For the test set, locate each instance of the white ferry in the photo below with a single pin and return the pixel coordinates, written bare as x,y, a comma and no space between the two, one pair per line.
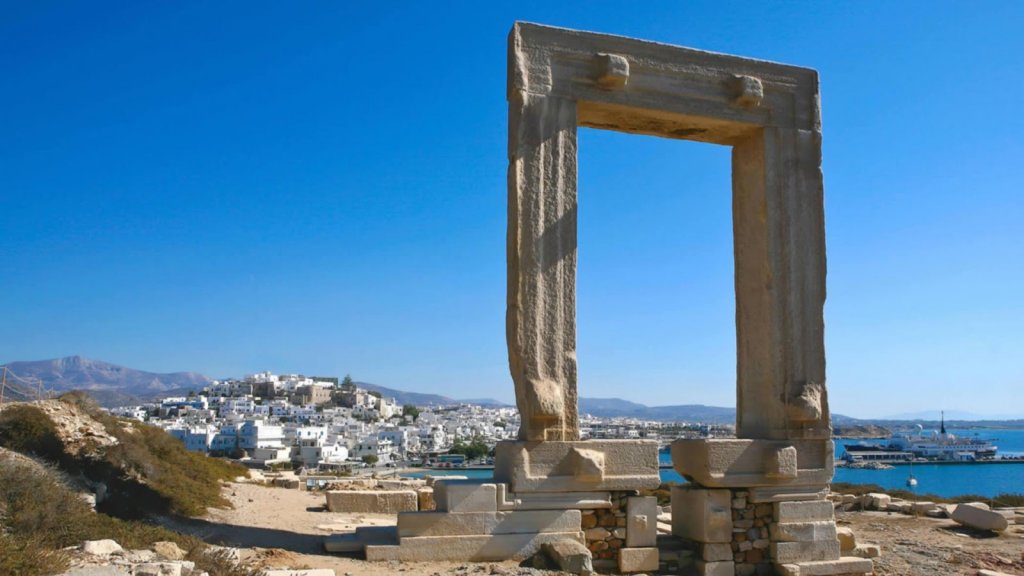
935,446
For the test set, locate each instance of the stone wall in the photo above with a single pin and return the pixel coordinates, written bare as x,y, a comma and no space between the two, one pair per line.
605,528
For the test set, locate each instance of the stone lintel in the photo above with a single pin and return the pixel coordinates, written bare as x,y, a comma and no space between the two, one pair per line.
583,466
745,463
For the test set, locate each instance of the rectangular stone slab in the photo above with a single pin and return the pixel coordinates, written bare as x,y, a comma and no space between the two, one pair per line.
552,500
844,566
372,501
493,548
411,524
798,552
577,466
745,463
641,521
638,559
702,515
465,496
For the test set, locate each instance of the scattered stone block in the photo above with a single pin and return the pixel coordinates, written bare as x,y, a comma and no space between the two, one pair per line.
799,552
644,559
306,572
101,547
847,540
372,501
922,508
843,566
571,556
875,501
641,522
475,523
867,551
980,518
702,515
807,511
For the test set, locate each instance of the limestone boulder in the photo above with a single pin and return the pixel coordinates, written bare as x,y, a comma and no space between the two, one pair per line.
979,518
570,556
101,547
847,540
168,551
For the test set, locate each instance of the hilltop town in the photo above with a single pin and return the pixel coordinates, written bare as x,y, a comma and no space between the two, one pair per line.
324,424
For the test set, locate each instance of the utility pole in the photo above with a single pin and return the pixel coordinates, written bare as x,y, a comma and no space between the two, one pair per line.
3,385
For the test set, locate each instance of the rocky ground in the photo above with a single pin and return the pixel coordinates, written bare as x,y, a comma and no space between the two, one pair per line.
278,528
922,546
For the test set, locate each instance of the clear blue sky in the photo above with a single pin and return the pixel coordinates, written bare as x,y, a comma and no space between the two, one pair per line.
229,187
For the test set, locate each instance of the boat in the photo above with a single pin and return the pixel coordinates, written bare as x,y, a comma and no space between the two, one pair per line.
934,446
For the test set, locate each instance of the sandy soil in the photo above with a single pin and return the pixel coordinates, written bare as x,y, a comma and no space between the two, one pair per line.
927,546
283,528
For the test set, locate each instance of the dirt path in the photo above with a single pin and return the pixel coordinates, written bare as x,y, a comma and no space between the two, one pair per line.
928,547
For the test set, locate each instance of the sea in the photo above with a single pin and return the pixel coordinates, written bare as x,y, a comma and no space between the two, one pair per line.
947,480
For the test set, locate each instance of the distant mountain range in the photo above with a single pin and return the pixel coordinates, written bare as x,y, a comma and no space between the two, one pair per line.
114,385
110,384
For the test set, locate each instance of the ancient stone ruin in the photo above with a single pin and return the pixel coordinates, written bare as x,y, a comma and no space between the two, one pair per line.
755,504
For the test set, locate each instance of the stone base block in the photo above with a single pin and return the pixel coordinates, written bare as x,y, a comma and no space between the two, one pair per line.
799,552
764,494
591,465
638,560
641,522
493,548
465,496
411,524
842,566
552,500
812,511
363,536
372,501
803,531
702,515
716,568
746,463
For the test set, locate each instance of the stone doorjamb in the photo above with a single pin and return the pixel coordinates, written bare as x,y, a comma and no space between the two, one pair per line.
768,113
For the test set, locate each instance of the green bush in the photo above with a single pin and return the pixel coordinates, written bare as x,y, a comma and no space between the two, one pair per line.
28,430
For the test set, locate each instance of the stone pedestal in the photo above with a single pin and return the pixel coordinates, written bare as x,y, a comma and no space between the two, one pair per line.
745,463
758,507
577,466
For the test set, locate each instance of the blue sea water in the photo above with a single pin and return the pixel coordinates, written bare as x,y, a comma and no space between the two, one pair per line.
946,480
